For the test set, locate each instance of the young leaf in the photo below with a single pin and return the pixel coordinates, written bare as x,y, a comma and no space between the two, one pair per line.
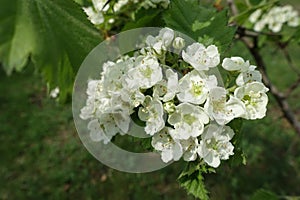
192,180
55,35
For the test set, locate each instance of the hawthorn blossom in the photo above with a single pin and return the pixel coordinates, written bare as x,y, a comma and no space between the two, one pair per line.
235,64
190,149
169,148
152,113
215,144
146,73
188,121
254,96
221,110
200,57
194,87
161,42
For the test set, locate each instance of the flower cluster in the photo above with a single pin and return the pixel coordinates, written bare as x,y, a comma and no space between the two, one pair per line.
184,113
99,8
274,18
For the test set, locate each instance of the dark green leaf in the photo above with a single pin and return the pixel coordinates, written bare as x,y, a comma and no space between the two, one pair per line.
182,15
239,156
197,21
55,34
145,18
264,195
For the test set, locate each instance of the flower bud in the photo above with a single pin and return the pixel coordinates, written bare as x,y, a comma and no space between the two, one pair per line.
178,43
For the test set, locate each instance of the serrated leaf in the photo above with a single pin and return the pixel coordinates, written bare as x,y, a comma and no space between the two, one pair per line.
54,34
192,180
199,25
182,14
198,21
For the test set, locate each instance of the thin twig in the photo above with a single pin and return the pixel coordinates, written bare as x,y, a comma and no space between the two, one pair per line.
292,88
232,7
289,59
251,33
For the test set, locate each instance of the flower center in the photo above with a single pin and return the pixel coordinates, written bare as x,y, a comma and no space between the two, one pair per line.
189,119
197,87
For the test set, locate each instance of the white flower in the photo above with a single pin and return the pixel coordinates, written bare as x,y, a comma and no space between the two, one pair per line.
275,18
172,85
54,93
154,3
293,18
255,15
188,121
220,110
275,26
170,149
133,96
260,25
96,132
255,99
235,64
169,107
190,149
159,89
152,112
119,4
107,126
146,73
201,58
194,87
162,41
96,17
178,43
215,144
249,76
163,3
99,5
96,98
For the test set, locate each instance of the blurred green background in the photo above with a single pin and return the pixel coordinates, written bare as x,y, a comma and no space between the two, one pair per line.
42,156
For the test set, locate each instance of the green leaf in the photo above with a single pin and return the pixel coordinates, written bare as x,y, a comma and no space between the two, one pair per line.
145,18
182,15
54,34
239,156
192,180
199,25
197,21
262,194
297,36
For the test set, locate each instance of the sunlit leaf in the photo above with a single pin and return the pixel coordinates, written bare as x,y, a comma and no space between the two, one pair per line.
54,34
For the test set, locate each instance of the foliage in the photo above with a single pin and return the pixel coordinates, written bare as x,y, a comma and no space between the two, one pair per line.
54,35
192,180
200,22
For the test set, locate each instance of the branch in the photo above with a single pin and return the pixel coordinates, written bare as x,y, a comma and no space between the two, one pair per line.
232,7
292,88
289,59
